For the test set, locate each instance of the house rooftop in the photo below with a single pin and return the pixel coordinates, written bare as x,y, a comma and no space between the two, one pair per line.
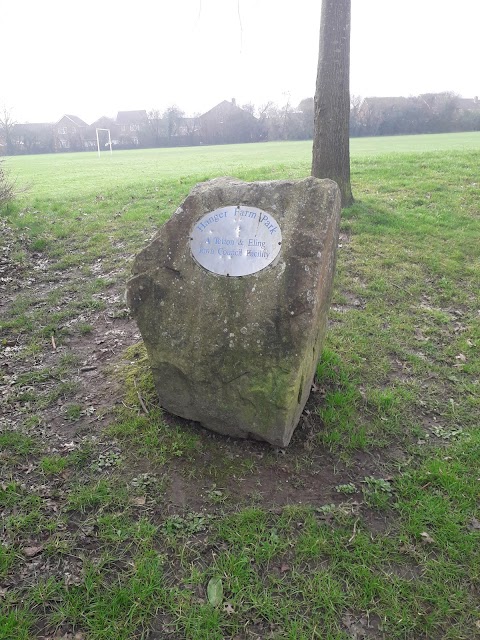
103,120
470,103
131,117
75,119
226,107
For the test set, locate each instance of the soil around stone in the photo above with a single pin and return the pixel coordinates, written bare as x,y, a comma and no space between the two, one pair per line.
303,473
223,476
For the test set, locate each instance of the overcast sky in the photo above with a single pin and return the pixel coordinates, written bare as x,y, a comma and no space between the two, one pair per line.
93,58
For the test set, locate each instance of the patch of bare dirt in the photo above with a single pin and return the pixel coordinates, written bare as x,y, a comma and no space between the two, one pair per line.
305,473
359,627
351,302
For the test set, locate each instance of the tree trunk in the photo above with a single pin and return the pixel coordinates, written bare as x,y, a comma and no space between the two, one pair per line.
331,144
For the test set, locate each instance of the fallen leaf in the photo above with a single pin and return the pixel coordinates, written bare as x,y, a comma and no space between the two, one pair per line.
138,501
284,568
227,607
215,591
461,357
427,538
420,337
474,524
30,552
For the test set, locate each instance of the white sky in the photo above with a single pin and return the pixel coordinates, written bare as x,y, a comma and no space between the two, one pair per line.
93,58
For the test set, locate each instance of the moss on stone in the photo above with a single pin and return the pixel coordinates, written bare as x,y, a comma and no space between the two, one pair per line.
238,354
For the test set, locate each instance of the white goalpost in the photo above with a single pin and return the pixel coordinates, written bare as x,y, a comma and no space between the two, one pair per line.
109,141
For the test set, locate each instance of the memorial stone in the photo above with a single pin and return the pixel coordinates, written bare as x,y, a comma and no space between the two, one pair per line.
231,298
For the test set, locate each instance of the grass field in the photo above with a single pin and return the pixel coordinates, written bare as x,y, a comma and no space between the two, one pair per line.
121,522
76,174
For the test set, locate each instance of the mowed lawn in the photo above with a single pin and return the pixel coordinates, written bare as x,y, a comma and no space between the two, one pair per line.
120,522
71,175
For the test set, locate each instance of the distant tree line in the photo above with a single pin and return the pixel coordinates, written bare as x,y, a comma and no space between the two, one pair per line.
444,112
228,123
427,113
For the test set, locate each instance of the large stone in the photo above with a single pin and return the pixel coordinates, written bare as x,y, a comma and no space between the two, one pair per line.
238,354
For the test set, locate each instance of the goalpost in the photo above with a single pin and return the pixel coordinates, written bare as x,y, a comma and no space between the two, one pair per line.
109,141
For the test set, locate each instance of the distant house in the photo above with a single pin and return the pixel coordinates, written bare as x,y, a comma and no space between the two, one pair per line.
132,127
227,123
469,104
379,105
69,133
375,108
468,113
390,115
104,122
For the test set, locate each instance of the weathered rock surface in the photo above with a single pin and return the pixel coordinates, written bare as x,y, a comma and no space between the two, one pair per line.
238,354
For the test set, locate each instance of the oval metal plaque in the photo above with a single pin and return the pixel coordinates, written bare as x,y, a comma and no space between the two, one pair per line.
235,241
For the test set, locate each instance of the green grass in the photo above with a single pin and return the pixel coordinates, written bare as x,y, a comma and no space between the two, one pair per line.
14,442
52,465
67,175
130,524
